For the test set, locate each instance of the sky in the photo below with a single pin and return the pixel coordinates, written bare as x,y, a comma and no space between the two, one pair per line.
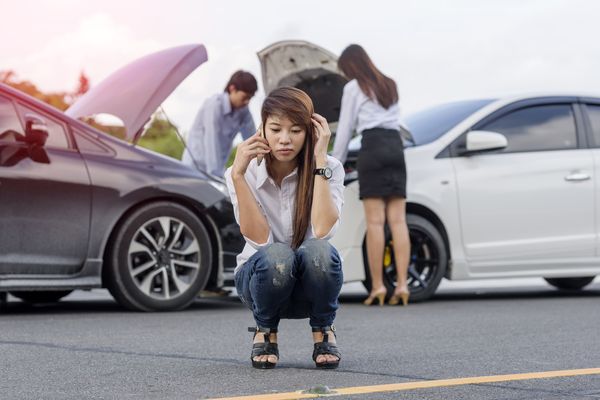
435,50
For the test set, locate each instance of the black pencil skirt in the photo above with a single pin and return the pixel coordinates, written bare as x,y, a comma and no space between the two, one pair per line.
380,165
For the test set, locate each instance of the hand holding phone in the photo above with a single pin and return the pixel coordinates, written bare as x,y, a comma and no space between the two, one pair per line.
254,147
259,158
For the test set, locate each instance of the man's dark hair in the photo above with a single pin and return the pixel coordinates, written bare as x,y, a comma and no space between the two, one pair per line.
242,80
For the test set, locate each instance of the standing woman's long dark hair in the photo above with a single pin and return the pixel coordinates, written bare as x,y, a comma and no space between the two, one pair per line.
355,63
297,107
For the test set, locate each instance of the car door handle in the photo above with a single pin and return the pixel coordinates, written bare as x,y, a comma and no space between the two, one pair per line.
577,177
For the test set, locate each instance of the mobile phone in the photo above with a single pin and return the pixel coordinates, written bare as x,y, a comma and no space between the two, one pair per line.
259,157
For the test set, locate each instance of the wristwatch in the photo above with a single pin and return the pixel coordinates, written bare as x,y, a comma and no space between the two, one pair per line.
326,172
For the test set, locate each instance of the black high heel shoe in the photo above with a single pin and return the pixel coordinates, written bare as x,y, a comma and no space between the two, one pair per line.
264,349
326,348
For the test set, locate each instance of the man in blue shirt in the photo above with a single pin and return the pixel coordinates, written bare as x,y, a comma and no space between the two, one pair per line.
209,142
217,123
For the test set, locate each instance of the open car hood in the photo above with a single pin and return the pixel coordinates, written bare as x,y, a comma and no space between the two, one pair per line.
308,67
136,90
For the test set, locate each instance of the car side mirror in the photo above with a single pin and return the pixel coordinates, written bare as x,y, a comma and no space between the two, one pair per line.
480,141
38,154
36,130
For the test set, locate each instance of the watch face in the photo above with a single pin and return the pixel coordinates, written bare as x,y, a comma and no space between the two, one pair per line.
326,172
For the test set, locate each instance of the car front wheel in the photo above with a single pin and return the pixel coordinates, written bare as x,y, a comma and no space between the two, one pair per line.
159,259
427,263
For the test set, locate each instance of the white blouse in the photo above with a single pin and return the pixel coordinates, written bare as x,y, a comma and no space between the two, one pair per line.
278,203
358,113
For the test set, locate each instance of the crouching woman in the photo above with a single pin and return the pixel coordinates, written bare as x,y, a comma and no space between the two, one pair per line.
288,207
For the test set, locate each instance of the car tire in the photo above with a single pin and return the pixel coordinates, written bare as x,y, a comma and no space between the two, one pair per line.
570,283
159,259
428,260
45,296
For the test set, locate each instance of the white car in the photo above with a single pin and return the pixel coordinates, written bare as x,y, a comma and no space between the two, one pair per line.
496,188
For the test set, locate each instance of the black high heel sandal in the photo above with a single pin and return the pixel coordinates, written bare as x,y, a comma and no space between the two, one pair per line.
263,349
324,348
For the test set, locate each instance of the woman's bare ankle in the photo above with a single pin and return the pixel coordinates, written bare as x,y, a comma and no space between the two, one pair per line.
318,337
260,338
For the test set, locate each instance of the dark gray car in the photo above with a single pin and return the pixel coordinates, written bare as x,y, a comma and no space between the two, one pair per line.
80,209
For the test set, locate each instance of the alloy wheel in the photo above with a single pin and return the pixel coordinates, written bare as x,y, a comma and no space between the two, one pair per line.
164,258
423,262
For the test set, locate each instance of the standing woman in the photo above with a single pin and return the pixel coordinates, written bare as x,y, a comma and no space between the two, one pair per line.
288,207
370,106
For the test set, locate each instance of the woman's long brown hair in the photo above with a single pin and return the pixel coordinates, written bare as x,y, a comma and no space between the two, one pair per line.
355,63
297,107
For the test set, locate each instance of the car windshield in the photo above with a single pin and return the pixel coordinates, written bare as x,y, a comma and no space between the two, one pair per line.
427,125
431,123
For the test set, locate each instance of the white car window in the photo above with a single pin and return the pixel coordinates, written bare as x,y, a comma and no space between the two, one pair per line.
594,115
546,127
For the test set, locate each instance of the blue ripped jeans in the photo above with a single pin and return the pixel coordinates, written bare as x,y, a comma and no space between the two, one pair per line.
278,282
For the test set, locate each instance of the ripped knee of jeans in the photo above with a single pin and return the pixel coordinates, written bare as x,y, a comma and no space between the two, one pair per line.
318,256
279,258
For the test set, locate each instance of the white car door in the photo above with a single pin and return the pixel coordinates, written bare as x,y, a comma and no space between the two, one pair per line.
528,209
592,112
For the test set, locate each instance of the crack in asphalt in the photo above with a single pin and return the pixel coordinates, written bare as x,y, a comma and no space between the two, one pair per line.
187,357
114,351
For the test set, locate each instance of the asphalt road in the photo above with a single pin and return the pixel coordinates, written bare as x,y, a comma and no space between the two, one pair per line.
88,347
